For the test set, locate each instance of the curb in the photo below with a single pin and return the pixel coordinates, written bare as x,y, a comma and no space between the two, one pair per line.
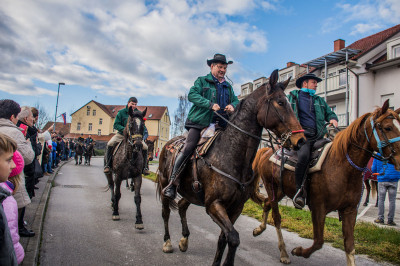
33,244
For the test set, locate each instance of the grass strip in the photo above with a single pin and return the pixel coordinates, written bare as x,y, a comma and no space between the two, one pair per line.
380,244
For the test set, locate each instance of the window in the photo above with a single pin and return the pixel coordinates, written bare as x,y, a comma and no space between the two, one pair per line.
286,76
94,112
244,91
90,127
78,126
100,121
390,98
88,112
396,51
99,132
333,108
342,77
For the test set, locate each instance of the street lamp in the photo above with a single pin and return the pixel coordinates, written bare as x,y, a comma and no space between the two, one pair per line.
55,116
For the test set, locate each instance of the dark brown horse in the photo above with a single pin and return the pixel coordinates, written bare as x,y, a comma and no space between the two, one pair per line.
339,183
78,152
88,153
232,153
370,181
128,163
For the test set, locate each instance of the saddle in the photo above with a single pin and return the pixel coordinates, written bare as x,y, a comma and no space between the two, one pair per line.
318,155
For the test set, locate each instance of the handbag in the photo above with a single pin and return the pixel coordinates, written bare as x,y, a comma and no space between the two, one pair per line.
38,169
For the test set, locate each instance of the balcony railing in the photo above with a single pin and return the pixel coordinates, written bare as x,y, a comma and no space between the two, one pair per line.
332,83
342,120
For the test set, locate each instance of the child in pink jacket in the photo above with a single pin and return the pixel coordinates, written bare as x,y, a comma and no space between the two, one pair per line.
10,205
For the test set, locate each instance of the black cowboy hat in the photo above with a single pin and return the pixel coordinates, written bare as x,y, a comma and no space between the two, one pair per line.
218,58
300,80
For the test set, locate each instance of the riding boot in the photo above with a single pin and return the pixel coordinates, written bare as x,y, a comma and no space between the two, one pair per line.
300,174
170,190
108,156
145,163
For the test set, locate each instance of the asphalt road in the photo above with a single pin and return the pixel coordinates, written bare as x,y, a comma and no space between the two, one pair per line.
78,230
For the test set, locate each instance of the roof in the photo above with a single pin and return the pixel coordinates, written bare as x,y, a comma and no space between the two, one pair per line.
94,137
368,43
333,57
153,112
60,127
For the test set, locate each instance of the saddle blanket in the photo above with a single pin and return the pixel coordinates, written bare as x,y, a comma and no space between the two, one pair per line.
318,155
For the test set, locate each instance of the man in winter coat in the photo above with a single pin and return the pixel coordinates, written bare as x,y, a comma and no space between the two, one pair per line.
9,110
312,111
208,94
119,124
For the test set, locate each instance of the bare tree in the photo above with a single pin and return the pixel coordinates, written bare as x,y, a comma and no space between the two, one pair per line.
43,116
180,115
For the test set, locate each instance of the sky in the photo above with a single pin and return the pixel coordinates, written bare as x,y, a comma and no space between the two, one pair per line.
108,51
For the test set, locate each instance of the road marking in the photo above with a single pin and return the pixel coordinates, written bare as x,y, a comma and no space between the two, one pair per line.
364,211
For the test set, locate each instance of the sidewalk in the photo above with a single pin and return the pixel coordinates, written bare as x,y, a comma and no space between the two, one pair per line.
34,215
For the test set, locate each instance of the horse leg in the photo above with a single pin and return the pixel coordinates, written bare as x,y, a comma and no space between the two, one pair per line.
80,159
117,197
111,187
167,246
76,159
220,216
138,199
377,194
349,220
127,184
368,187
318,220
261,228
184,242
284,257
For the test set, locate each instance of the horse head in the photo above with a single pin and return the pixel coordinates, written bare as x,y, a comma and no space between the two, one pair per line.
135,128
383,133
274,112
150,145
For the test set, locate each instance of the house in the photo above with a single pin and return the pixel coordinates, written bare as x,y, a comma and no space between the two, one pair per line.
359,77
97,120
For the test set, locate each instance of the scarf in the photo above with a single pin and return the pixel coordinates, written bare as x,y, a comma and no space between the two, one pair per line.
309,91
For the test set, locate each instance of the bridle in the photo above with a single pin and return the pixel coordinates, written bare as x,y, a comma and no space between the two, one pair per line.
133,138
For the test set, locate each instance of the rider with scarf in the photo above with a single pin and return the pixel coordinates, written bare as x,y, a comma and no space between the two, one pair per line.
312,111
209,93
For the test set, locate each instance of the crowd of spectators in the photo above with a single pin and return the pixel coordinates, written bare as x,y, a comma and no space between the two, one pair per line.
26,155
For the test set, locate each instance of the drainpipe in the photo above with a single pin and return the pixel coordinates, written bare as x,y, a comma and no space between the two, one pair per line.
347,90
326,81
357,90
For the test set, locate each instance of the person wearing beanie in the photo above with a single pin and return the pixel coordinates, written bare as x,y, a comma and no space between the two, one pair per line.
10,204
119,124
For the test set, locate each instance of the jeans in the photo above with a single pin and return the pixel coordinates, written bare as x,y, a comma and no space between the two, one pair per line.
391,188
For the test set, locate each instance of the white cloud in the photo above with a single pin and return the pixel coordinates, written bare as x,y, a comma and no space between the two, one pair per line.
363,28
120,47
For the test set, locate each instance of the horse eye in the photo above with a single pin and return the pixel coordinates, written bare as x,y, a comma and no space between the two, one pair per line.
388,128
281,103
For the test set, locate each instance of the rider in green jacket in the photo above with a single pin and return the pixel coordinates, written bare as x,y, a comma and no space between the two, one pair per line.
209,93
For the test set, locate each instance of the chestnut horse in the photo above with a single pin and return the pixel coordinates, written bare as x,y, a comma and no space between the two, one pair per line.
225,171
339,183
128,163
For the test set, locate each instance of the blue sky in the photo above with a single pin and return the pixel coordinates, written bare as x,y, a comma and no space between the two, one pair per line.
109,51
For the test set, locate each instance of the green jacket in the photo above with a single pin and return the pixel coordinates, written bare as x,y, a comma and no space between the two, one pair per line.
122,118
323,113
203,95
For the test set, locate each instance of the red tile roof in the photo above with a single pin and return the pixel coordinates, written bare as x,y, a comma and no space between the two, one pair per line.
368,43
60,127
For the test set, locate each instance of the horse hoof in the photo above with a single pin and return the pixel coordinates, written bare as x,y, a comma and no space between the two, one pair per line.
365,204
257,231
297,251
139,226
183,244
285,260
167,247
132,188
115,217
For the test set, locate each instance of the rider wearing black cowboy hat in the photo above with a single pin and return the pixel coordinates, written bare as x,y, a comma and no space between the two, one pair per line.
210,93
312,111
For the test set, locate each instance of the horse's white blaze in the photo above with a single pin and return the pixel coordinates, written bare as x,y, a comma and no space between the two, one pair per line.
396,124
137,121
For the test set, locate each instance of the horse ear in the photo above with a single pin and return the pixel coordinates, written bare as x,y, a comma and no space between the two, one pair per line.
130,111
273,79
385,106
144,112
286,83
397,111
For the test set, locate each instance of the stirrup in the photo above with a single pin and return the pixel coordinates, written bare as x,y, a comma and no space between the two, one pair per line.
105,169
295,197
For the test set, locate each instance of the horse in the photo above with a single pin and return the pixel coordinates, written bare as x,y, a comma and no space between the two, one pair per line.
88,153
150,150
78,152
338,185
128,163
225,170
370,181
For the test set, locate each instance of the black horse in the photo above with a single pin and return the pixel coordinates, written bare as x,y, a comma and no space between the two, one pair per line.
89,151
78,152
225,171
128,163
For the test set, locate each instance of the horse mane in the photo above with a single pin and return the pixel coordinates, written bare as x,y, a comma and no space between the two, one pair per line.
344,138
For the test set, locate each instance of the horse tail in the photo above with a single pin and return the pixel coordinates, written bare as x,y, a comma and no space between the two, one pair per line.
255,195
373,188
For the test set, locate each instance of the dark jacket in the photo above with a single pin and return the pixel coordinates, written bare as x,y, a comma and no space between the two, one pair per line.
323,113
7,252
203,95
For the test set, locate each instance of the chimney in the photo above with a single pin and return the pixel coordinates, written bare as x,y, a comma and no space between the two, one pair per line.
338,45
289,64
